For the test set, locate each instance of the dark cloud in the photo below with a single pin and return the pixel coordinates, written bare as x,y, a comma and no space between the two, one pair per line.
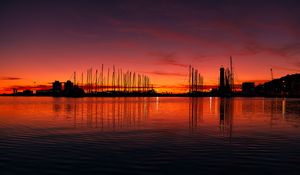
158,32
184,86
167,73
286,69
10,78
21,88
167,59
257,81
289,50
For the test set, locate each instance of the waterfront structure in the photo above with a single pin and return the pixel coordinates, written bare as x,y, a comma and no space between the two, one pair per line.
288,86
56,86
222,80
248,88
195,81
226,84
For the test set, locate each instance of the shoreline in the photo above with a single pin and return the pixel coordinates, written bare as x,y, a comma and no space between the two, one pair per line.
151,95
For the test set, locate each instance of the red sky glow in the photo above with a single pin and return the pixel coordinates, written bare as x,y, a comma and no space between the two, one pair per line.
43,41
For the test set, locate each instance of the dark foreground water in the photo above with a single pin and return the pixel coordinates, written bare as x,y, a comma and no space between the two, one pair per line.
41,135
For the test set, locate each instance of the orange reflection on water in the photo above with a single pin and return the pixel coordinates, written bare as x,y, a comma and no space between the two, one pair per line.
212,116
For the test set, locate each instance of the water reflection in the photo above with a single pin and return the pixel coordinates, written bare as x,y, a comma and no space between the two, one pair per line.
195,112
101,113
224,106
151,134
277,110
283,107
226,116
117,113
255,112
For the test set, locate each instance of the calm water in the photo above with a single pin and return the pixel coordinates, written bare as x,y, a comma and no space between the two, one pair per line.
41,135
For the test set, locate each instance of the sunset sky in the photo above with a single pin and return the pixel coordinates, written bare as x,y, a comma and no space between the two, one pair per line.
43,41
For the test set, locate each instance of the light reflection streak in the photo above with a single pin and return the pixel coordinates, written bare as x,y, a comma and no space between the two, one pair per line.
195,112
118,113
226,116
283,107
106,115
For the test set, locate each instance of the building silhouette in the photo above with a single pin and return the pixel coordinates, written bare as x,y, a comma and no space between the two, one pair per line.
69,90
56,86
226,84
28,92
222,80
68,87
248,88
288,86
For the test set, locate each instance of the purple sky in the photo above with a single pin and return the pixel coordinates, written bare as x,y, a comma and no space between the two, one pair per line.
46,40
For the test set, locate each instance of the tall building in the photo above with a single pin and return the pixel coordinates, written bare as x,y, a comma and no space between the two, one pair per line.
68,87
56,86
222,79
